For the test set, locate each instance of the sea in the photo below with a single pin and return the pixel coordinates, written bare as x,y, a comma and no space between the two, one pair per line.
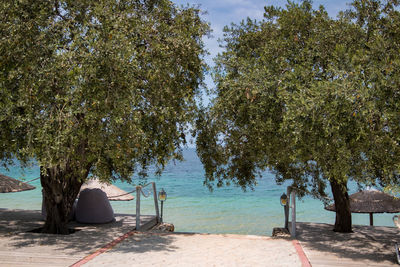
191,207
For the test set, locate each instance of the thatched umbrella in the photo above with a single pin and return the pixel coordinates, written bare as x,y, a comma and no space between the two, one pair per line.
112,192
8,184
371,201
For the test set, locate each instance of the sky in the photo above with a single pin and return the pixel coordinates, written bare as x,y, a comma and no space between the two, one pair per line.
224,12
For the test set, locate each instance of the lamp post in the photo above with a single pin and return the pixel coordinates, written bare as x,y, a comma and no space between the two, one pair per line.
283,199
162,196
284,203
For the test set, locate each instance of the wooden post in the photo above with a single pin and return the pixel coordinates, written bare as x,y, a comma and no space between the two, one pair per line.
156,201
287,208
138,189
293,197
371,219
161,219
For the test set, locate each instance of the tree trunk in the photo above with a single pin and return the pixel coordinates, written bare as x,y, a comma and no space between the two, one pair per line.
342,205
60,189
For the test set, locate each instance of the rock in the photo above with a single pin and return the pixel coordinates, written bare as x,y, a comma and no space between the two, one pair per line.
280,232
164,227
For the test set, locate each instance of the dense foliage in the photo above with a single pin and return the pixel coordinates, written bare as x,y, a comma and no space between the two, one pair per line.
103,87
312,98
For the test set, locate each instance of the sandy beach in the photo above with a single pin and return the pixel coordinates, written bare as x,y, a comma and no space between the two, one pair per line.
147,249
366,246
118,244
21,248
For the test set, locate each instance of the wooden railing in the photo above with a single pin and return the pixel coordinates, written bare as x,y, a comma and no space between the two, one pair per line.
139,191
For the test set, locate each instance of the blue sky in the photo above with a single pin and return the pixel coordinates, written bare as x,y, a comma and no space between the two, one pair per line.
223,12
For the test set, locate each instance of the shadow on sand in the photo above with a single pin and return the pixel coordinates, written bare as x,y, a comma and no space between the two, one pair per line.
15,224
372,243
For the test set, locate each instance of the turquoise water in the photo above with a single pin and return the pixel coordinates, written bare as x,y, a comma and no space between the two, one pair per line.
192,208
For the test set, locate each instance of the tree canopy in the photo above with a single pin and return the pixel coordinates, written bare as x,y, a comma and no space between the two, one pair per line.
103,87
312,98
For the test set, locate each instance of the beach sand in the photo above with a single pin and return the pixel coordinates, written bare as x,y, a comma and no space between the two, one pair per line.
18,247
147,249
366,246
95,245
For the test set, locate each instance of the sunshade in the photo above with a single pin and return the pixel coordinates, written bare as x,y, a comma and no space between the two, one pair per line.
8,184
371,201
112,192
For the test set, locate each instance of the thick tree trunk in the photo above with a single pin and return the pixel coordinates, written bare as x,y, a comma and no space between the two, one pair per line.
342,204
60,189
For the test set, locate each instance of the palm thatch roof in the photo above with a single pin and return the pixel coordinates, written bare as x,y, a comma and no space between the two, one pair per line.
112,192
8,185
371,201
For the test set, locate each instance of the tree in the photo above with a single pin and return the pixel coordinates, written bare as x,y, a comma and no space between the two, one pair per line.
298,93
96,87
378,70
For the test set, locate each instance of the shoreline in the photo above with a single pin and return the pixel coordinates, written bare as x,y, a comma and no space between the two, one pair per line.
192,208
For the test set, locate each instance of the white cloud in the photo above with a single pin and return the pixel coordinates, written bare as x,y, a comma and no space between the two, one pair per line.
223,12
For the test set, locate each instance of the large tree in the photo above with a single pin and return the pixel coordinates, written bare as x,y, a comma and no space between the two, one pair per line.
305,95
96,87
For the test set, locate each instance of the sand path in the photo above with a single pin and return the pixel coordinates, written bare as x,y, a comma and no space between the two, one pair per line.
149,249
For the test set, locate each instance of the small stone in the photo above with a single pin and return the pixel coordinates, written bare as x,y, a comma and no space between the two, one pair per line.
164,227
